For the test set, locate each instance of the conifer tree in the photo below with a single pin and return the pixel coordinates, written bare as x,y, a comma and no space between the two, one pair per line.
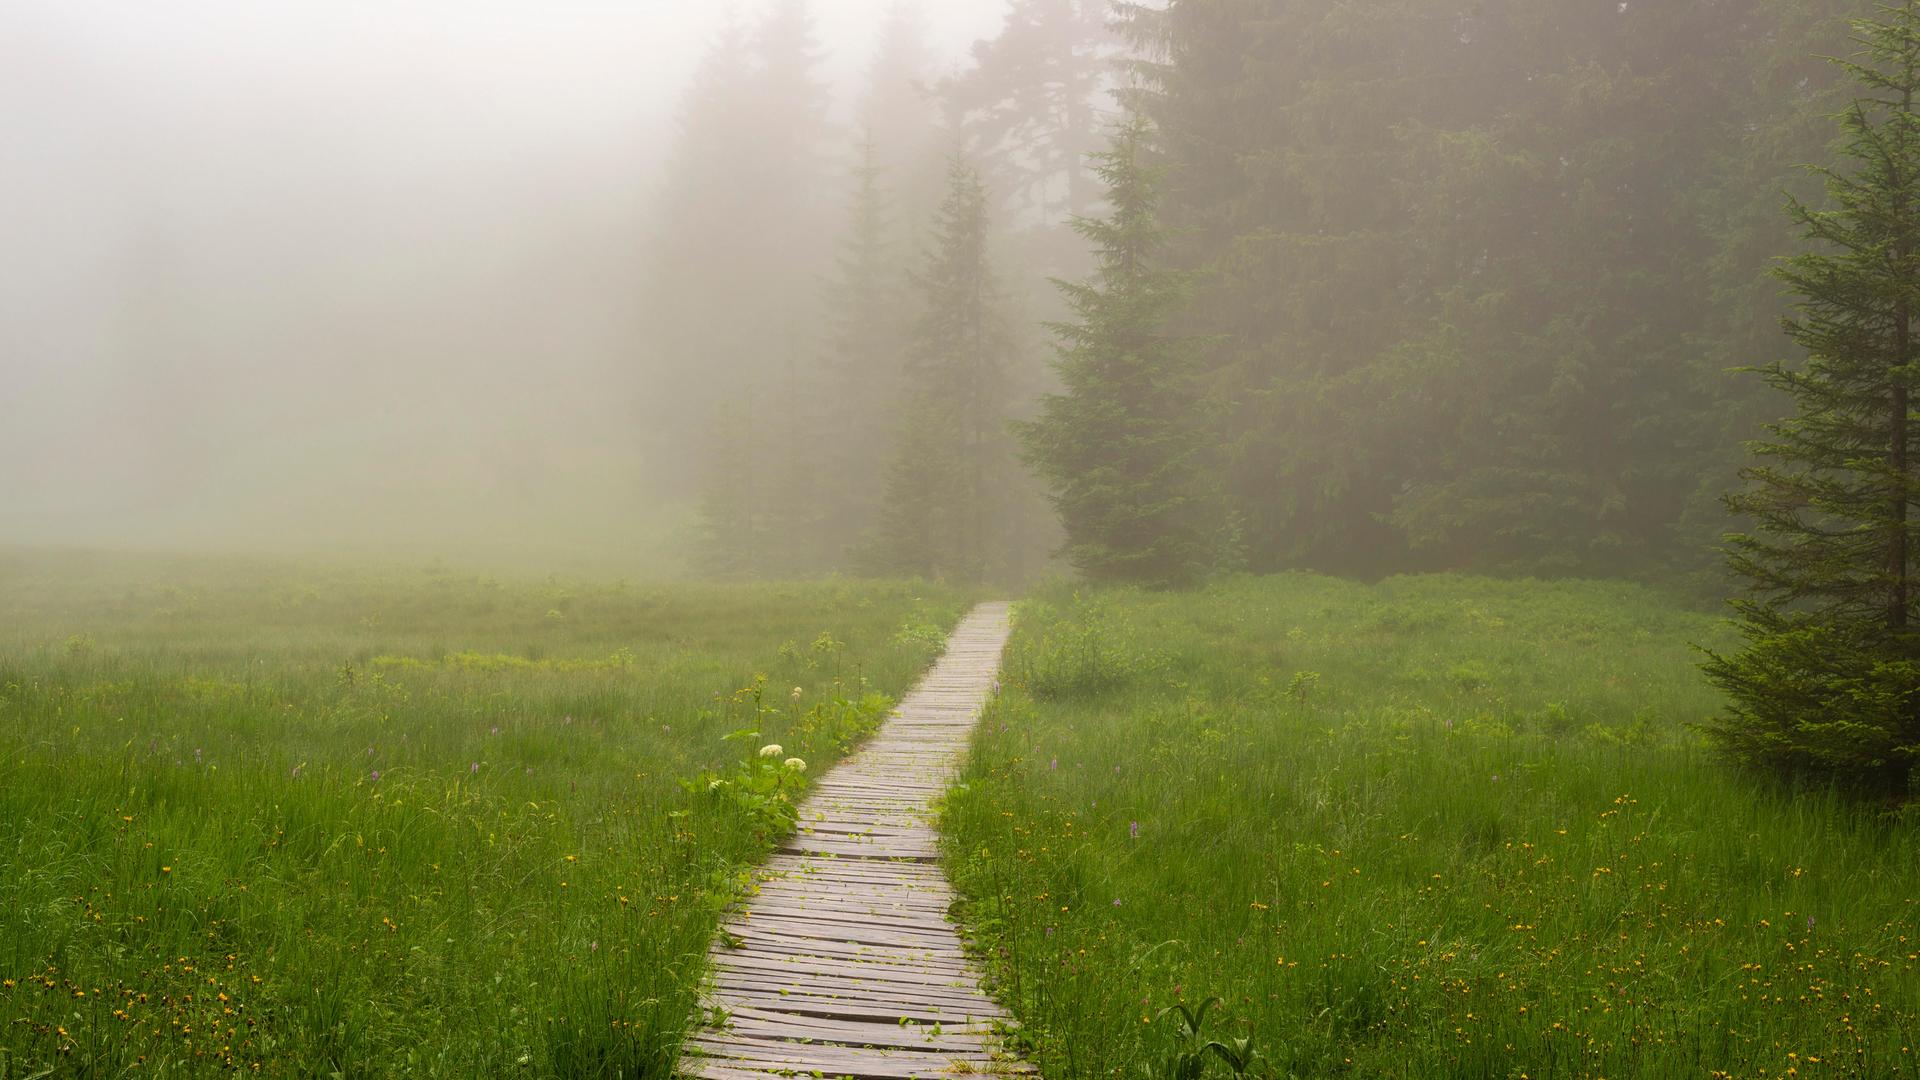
946,496
1120,445
1828,686
1032,102
860,370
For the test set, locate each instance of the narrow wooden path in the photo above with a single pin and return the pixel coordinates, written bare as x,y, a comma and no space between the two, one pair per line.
844,963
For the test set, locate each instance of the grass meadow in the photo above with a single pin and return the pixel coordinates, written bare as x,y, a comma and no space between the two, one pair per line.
1433,827
407,822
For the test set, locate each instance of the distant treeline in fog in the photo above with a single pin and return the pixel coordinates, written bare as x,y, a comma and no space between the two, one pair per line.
1463,284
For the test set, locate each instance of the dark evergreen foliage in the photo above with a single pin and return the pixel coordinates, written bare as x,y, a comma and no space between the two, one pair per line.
1475,272
1828,687
1120,446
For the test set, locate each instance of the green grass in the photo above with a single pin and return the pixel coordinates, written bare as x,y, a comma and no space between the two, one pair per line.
1435,827
397,822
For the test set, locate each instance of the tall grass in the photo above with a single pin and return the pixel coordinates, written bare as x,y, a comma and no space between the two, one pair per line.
1437,827
401,822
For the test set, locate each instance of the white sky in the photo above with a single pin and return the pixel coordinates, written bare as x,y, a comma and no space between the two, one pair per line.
568,62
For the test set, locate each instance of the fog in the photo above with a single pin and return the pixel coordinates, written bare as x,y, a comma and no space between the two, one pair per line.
886,287
349,276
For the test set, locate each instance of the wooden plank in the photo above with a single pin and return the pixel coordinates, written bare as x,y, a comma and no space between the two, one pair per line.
771,986
852,1010
884,1060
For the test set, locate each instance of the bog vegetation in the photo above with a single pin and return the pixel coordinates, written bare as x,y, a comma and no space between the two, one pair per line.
308,822
1435,827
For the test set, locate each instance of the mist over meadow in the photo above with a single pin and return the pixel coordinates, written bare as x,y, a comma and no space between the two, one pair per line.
352,277
981,291
1179,539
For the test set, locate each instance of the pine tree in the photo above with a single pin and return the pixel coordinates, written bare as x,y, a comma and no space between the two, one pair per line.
1120,446
1827,688
945,513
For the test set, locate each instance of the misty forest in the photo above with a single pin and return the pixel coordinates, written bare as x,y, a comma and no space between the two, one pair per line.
1176,540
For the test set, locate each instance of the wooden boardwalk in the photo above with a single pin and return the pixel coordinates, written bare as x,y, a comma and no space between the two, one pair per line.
844,962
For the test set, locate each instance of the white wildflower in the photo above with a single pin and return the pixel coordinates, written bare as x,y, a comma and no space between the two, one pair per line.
771,750
796,764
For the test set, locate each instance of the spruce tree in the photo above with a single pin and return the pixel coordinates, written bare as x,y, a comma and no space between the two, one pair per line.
1827,687
945,513
1120,446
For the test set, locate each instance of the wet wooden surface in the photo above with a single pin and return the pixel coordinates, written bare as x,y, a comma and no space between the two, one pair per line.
844,962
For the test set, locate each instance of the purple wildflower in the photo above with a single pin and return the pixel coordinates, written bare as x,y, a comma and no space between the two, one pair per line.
1133,830
376,775
1052,764
473,768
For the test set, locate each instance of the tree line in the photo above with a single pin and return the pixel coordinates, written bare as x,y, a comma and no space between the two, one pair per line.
1460,284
